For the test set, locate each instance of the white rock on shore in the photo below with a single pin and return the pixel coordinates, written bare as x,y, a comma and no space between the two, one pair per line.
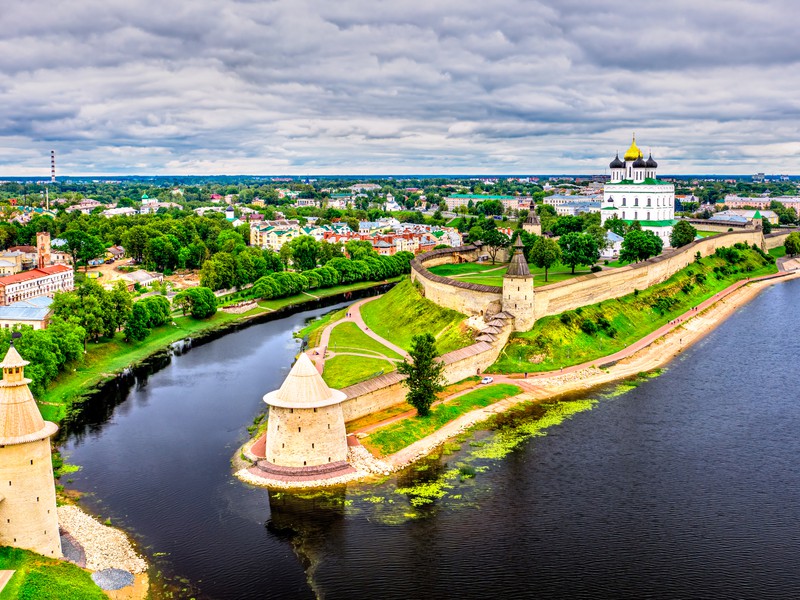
105,547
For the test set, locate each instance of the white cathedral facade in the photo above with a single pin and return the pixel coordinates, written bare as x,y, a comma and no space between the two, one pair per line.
635,194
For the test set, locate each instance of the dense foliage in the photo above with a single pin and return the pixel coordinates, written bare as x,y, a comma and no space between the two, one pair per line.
425,373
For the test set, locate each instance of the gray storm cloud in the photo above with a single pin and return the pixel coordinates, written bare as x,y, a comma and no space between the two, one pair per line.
299,86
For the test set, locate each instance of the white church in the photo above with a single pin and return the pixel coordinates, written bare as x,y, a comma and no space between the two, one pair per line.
635,194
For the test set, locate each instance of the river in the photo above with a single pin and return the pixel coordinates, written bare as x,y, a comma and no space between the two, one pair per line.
684,486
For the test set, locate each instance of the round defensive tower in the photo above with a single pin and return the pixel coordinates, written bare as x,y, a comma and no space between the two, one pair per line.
28,517
518,290
306,424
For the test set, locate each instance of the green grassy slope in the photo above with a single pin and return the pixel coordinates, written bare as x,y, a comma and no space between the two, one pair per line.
601,329
40,578
402,313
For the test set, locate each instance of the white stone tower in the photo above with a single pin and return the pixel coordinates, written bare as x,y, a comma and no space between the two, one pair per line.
28,517
306,424
518,296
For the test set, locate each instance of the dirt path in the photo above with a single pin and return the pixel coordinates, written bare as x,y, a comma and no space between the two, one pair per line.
322,352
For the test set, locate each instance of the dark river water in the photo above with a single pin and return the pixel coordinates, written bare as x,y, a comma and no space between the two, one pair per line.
683,486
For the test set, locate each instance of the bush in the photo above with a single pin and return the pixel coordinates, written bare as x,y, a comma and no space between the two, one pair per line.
596,268
588,327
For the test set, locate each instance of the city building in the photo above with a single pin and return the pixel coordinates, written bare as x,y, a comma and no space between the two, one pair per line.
28,517
44,281
634,193
34,312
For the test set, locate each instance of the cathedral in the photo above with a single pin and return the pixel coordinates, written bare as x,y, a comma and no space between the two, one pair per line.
635,194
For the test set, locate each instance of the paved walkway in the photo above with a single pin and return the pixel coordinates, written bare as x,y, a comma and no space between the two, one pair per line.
5,577
322,352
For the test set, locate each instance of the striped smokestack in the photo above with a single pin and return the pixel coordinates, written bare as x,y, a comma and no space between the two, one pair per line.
52,166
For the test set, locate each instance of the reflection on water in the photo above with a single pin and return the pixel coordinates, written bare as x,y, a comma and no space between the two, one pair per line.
684,485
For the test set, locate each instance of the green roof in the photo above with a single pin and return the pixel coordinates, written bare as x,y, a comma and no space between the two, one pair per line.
664,223
610,208
648,181
757,215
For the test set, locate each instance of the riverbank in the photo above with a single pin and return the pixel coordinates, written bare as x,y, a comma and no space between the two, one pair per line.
106,361
652,352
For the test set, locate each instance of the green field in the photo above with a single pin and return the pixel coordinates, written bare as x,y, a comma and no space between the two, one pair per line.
402,313
347,337
400,434
598,330
778,252
488,274
40,578
705,234
341,371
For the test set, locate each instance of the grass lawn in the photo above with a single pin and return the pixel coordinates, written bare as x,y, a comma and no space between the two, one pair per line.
40,578
705,234
562,340
402,313
347,337
488,274
104,358
778,252
397,436
341,371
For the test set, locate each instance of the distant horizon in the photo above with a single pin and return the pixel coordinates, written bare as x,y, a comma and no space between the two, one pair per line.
393,176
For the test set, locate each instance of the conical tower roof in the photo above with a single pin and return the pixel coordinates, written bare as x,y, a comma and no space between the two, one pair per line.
20,419
304,388
518,266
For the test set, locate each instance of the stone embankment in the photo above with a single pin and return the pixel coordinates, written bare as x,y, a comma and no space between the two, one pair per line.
105,547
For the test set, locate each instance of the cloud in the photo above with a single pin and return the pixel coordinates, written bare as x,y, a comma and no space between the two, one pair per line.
370,86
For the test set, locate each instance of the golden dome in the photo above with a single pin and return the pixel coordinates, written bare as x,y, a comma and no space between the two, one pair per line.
633,152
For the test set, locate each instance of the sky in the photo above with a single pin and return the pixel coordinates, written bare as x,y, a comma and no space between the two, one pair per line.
406,87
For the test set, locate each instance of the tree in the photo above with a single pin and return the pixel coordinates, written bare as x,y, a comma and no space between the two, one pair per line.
494,240
200,301
425,373
599,235
305,251
359,249
578,249
682,233
616,225
567,224
135,241
766,226
545,253
82,246
640,245
136,327
792,243
120,302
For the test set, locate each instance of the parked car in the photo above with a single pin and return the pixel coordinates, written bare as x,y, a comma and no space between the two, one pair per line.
487,380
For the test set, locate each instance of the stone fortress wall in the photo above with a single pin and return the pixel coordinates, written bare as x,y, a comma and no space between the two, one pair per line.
387,390
472,299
